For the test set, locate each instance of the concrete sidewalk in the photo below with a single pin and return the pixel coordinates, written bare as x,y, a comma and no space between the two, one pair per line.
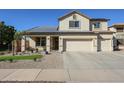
40,75
60,75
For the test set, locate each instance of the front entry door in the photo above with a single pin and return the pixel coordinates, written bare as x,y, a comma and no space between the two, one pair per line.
54,43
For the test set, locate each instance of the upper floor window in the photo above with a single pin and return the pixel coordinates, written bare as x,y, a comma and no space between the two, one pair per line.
97,25
74,24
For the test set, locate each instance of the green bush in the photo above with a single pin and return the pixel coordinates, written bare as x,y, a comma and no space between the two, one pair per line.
21,57
11,60
35,59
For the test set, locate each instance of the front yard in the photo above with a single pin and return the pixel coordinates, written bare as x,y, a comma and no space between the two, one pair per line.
52,61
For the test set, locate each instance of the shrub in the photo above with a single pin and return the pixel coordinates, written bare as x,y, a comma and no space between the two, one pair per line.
35,59
2,53
11,60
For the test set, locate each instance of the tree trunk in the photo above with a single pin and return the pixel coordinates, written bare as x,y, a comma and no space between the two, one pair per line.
15,48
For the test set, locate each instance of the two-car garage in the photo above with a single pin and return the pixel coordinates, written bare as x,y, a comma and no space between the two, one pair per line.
87,45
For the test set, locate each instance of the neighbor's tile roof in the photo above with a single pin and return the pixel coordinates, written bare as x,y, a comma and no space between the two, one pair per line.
117,25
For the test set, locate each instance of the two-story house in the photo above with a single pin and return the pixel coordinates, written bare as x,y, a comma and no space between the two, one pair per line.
75,32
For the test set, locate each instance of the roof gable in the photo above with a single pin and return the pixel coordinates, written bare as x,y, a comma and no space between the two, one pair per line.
73,12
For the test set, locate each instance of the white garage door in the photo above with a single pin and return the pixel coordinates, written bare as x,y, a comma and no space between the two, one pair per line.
79,45
106,45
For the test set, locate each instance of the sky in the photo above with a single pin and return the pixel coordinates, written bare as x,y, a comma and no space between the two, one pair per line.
23,19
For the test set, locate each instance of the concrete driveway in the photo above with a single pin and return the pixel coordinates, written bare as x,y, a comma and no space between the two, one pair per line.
95,67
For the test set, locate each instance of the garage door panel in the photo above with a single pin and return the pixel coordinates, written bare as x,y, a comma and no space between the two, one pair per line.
79,45
106,45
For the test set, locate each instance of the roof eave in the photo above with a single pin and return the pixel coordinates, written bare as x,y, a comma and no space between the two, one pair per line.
99,19
59,33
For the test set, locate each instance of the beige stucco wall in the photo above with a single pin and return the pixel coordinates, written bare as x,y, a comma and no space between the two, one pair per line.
32,43
103,26
79,36
106,36
84,23
48,43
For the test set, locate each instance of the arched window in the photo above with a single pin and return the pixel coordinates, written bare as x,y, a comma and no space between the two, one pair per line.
74,16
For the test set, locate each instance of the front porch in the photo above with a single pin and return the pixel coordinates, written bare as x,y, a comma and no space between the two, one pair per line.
44,43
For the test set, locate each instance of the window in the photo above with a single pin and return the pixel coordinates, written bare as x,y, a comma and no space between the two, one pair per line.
97,25
41,41
38,41
73,24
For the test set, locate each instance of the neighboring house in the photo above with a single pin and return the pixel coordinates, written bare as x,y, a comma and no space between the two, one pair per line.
118,36
75,32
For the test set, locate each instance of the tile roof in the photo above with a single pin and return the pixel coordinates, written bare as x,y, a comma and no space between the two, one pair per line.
42,29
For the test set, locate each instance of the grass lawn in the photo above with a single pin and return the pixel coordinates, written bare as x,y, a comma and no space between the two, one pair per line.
31,57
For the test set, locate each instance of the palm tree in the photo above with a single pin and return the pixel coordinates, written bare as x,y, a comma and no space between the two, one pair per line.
18,36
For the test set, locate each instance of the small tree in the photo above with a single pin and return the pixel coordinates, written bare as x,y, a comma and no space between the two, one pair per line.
18,36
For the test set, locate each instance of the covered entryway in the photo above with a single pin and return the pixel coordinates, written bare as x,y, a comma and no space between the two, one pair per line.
54,43
106,45
79,45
